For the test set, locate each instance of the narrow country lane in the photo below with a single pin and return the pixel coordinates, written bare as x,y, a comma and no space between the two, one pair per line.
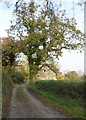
29,106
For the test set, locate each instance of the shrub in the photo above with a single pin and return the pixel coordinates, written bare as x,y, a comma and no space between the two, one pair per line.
18,77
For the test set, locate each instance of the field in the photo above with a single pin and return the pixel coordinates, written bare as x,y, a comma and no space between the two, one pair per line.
67,96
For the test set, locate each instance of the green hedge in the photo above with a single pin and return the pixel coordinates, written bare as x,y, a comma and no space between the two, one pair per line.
7,83
73,89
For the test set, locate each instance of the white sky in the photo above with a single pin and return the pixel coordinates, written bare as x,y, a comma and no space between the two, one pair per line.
69,61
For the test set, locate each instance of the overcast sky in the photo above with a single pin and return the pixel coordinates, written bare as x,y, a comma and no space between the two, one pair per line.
69,61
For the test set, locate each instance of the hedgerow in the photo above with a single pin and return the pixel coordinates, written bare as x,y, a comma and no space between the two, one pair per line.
73,89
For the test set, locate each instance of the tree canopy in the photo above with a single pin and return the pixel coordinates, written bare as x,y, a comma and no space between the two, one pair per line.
43,32
8,50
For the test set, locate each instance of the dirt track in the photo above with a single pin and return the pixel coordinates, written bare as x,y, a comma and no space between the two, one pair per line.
30,107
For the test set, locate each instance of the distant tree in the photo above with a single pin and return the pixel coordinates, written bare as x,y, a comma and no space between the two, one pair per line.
72,75
8,52
25,71
43,32
10,48
18,77
83,77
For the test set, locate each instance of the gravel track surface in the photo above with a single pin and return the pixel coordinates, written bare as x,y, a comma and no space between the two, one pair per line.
31,107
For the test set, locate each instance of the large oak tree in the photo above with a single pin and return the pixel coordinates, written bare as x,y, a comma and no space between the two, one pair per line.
43,32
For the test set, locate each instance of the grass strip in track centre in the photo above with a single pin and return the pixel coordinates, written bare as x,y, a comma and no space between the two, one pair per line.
22,97
71,107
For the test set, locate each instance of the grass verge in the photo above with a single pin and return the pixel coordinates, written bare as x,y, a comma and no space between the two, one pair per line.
70,107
